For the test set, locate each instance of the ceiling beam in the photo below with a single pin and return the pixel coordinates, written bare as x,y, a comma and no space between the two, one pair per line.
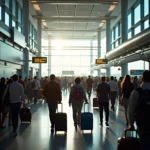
69,37
75,1
73,19
59,30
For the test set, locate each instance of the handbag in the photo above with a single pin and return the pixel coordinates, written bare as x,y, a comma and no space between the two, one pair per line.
124,101
6,100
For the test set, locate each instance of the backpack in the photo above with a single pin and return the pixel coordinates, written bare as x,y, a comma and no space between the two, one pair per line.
77,94
143,109
33,85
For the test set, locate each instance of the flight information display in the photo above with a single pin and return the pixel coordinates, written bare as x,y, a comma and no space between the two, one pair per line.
39,59
101,61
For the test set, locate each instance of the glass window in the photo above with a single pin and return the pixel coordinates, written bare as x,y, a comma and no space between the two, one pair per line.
137,14
116,44
19,29
13,23
19,15
0,13
14,7
7,3
129,35
116,32
146,24
112,34
129,21
137,30
6,19
112,46
146,7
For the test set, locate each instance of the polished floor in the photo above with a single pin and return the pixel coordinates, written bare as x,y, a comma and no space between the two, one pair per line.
37,135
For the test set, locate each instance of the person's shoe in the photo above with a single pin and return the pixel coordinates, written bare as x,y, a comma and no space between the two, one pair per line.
14,133
127,123
101,123
107,124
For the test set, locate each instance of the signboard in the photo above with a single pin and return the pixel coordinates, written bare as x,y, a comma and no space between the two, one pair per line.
69,72
39,59
136,72
101,61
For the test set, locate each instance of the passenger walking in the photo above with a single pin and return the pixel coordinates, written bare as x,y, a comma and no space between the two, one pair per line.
113,92
119,88
65,83
28,89
103,94
16,95
2,107
35,88
89,83
52,93
76,98
127,87
139,110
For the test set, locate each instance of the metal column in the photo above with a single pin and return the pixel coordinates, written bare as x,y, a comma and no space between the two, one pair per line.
108,43
49,56
99,48
25,69
91,56
124,31
39,36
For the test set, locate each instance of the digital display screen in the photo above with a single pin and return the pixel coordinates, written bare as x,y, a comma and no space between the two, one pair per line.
101,61
39,59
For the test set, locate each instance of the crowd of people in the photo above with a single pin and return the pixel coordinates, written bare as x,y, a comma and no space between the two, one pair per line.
79,88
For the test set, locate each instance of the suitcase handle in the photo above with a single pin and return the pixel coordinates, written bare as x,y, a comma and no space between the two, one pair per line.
61,107
127,130
88,106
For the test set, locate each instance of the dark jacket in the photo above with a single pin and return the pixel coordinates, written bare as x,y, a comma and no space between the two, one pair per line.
127,88
52,91
2,89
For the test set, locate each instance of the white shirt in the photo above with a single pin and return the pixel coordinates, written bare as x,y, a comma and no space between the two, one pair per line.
113,86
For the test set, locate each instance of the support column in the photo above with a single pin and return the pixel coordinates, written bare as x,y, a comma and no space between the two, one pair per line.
49,56
124,31
124,70
91,56
99,48
108,43
25,67
39,36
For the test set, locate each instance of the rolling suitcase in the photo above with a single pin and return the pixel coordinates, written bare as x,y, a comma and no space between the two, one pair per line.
25,114
61,121
87,120
95,102
128,143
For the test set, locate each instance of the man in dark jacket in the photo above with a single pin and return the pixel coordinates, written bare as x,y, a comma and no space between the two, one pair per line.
103,93
52,93
2,109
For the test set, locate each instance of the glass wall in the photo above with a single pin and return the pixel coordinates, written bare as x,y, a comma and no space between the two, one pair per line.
138,18
116,36
64,58
13,14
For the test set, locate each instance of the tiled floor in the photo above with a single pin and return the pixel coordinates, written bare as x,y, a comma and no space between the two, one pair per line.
37,135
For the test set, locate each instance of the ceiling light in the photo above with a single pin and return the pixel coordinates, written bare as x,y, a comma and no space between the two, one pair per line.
44,23
112,7
36,7
101,24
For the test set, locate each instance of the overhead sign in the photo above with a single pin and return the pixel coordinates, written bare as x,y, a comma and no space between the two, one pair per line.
136,72
39,59
101,61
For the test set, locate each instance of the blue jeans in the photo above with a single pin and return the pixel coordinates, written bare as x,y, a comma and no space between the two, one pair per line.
15,109
35,95
113,98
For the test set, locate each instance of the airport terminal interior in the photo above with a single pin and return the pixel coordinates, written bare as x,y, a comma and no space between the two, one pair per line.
72,38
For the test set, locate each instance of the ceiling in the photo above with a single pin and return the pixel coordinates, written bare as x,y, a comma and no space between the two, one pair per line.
73,19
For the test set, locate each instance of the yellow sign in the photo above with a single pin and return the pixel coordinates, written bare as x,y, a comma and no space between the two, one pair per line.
101,61
39,59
